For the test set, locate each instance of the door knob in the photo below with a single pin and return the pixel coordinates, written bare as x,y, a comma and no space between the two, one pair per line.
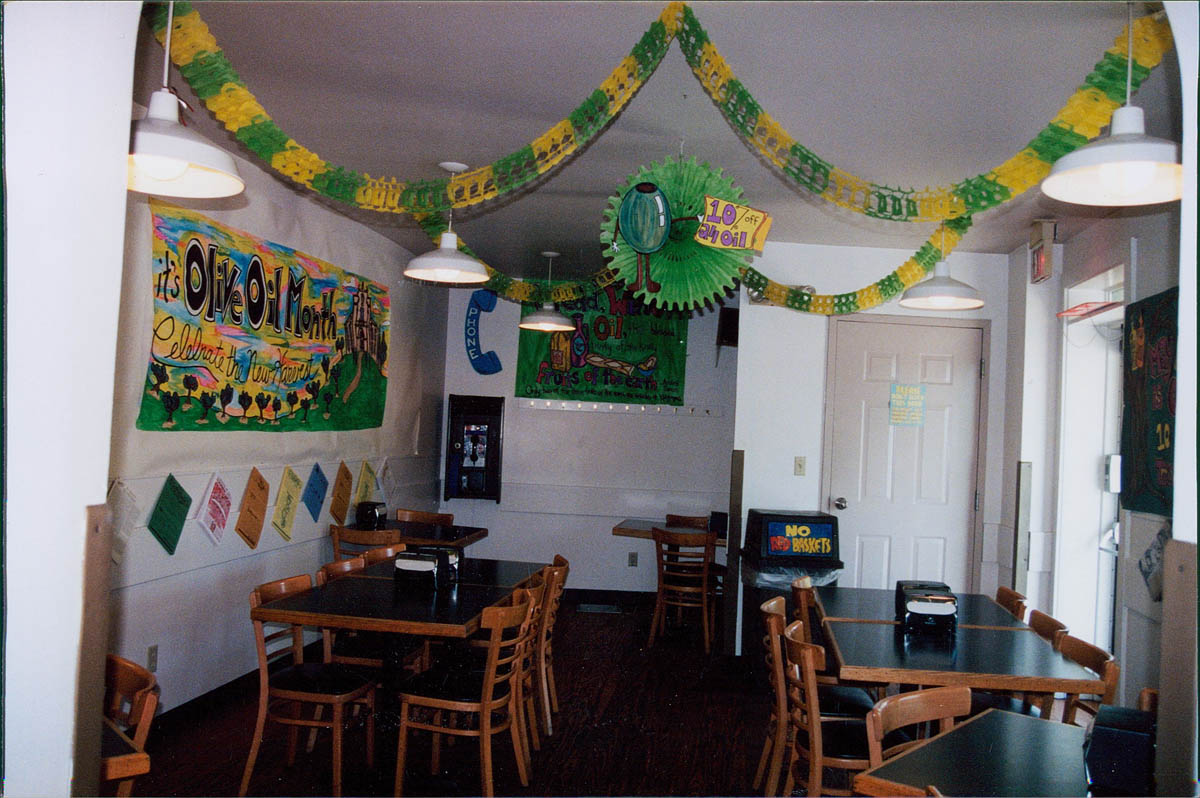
839,503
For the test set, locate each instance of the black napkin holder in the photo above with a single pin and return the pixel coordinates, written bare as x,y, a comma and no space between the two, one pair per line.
417,571
926,608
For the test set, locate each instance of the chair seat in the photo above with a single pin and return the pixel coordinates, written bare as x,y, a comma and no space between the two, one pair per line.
981,701
452,682
846,738
331,679
840,699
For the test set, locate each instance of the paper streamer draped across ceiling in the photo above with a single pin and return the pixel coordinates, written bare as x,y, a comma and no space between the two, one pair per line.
200,60
253,335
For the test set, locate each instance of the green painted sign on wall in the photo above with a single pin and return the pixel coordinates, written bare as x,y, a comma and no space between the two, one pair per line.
618,352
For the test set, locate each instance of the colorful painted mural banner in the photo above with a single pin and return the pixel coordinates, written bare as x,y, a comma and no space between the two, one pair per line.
619,352
251,335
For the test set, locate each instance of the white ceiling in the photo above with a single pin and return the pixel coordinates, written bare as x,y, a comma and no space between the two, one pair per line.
905,94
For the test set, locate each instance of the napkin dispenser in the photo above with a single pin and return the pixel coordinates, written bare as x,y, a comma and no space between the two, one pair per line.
926,608
370,515
417,570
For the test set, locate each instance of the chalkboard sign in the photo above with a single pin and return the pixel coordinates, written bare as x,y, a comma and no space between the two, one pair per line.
1148,417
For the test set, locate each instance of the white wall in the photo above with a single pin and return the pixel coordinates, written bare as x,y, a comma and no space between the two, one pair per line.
781,371
193,604
66,130
569,476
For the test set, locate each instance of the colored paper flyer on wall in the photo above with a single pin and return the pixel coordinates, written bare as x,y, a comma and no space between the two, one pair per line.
287,501
215,508
618,352
314,491
341,494
251,335
170,511
366,483
252,512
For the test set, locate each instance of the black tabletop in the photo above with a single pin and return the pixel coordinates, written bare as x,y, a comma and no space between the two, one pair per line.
976,656
995,753
390,605
863,603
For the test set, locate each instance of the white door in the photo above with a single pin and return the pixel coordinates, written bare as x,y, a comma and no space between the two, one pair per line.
901,437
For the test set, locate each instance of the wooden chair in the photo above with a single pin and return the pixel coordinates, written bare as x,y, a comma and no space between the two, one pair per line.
774,616
496,691
538,587
689,521
380,553
291,686
547,691
423,517
1099,662
1047,628
822,741
130,698
1148,700
836,698
684,559
1012,601
942,704
356,542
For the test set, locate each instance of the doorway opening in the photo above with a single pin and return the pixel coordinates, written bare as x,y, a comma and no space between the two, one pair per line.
1089,465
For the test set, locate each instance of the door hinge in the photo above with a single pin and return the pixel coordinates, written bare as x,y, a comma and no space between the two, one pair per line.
981,368
976,501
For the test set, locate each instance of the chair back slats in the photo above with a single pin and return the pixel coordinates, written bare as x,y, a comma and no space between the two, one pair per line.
339,568
1012,601
941,704
555,579
509,630
1099,662
683,561
423,517
380,553
803,662
270,645
1047,628
130,696
688,521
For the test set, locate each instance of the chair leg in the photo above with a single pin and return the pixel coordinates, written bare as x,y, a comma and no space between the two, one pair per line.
655,619
543,694
337,718
550,683
255,742
531,717
780,743
514,729
312,733
761,770
125,788
435,759
485,752
293,734
401,748
704,622
371,729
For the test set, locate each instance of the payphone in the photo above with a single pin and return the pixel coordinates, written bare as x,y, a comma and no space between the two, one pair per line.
473,446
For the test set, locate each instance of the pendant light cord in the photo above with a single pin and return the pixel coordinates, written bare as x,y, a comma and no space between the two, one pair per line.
1129,51
167,45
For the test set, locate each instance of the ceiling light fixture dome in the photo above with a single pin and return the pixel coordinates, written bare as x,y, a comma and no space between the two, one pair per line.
941,291
1125,168
547,318
447,264
167,159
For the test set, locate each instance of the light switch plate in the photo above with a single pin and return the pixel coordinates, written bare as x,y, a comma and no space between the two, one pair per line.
798,467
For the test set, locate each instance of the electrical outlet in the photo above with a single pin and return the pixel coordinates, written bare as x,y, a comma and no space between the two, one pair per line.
798,466
633,559
152,658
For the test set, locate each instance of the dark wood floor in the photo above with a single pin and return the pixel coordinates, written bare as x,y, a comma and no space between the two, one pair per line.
664,721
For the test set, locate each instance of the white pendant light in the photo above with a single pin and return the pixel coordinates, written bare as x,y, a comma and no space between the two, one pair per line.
547,319
1126,168
167,159
447,264
941,291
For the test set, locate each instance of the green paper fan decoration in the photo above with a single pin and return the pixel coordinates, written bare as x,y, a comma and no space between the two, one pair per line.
683,273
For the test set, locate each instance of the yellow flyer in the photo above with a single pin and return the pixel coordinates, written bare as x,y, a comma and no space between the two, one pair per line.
366,483
286,503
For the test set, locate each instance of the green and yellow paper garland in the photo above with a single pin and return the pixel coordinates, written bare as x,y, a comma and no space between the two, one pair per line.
216,83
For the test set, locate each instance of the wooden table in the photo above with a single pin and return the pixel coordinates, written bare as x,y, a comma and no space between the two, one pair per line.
371,602
640,528
119,757
416,533
993,753
989,658
872,604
